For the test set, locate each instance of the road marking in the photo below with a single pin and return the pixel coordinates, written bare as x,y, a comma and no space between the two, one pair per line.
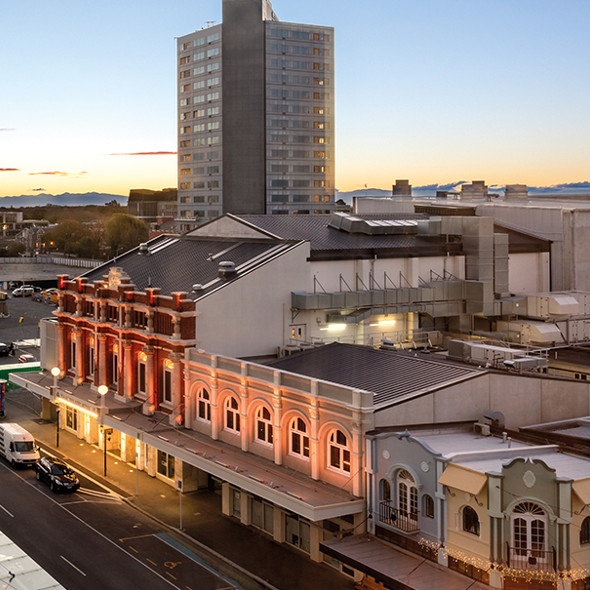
152,562
123,539
7,512
185,551
169,574
172,564
133,549
80,520
70,563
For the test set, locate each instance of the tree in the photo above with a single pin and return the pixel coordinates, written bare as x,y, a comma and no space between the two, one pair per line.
123,232
65,236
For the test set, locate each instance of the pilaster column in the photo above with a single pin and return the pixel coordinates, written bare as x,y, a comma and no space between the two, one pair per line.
216,412
127,316
356,456
314,442
150,377
277,404
80,347
176,325
129,369
101,365
189,402
244,422
177,389
61,352
79,304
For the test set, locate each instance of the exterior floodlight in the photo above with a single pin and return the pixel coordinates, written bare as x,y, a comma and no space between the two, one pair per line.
103,389
55,371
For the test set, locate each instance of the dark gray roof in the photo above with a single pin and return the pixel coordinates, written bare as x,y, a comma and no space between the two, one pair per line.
174,263
331,243
390,375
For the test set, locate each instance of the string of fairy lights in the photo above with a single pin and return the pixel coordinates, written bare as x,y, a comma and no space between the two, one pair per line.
523,574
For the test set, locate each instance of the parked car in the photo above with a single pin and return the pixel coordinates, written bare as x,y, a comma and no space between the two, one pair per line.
24,291
27,358
50,295
37,295
6,349
57,475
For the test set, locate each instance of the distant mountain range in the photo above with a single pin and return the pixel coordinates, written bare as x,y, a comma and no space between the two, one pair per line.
78,200
71,199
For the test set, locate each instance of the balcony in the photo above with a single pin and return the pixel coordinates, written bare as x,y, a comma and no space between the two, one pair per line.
399,519
526,559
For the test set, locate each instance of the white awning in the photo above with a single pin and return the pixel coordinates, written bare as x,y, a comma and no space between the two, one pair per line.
461,478
582,489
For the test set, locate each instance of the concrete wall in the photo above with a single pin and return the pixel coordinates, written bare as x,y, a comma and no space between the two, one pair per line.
243,76
529,272
232,322
523,400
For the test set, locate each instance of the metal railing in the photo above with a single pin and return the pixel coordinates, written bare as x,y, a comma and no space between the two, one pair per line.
50,259
400,519
522,558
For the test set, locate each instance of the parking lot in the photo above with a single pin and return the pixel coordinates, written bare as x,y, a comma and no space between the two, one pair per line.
22,326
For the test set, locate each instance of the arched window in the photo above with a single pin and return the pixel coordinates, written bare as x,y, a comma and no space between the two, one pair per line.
427,506
203,405
298,438
470,521
338,451
384,490
263,425
407,494
232,415
529,524
585,531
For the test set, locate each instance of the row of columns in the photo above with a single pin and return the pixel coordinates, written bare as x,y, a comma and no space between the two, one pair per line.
276,399
127,367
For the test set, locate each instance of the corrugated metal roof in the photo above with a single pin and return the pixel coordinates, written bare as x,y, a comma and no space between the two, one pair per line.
322,238
390,375
176,264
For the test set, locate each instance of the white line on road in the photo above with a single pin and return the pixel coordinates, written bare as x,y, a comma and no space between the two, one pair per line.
7,512
70,563
82,521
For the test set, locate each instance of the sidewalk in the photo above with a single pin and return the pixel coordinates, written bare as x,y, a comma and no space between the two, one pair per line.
218,539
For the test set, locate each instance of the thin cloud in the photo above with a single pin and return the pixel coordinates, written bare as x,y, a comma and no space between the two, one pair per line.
38,190
9,169
7,129
57,173
145,154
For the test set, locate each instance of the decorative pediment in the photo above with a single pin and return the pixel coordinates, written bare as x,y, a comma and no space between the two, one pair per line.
115,277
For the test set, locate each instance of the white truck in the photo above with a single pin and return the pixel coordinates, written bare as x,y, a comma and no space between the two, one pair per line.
17,445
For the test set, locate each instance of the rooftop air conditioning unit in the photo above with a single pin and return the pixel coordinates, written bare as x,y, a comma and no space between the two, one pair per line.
481,428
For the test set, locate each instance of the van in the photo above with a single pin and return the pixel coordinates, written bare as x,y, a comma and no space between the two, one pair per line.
17,445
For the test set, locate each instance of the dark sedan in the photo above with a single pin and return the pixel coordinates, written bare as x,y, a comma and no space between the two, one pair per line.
57,474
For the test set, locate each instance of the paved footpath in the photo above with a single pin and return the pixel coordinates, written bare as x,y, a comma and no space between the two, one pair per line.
219,540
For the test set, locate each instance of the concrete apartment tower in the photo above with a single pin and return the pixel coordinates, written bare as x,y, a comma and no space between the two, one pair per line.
255,116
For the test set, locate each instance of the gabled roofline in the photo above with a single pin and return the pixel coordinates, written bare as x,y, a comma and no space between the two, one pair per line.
237,219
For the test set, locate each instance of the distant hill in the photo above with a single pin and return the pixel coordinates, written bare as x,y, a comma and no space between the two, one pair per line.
71,199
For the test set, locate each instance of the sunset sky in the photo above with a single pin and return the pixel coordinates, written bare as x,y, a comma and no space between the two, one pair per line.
435,91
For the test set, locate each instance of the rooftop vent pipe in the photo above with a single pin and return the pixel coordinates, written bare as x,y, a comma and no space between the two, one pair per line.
227,269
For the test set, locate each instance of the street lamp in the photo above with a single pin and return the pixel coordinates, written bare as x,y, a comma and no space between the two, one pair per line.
55,372
103,390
